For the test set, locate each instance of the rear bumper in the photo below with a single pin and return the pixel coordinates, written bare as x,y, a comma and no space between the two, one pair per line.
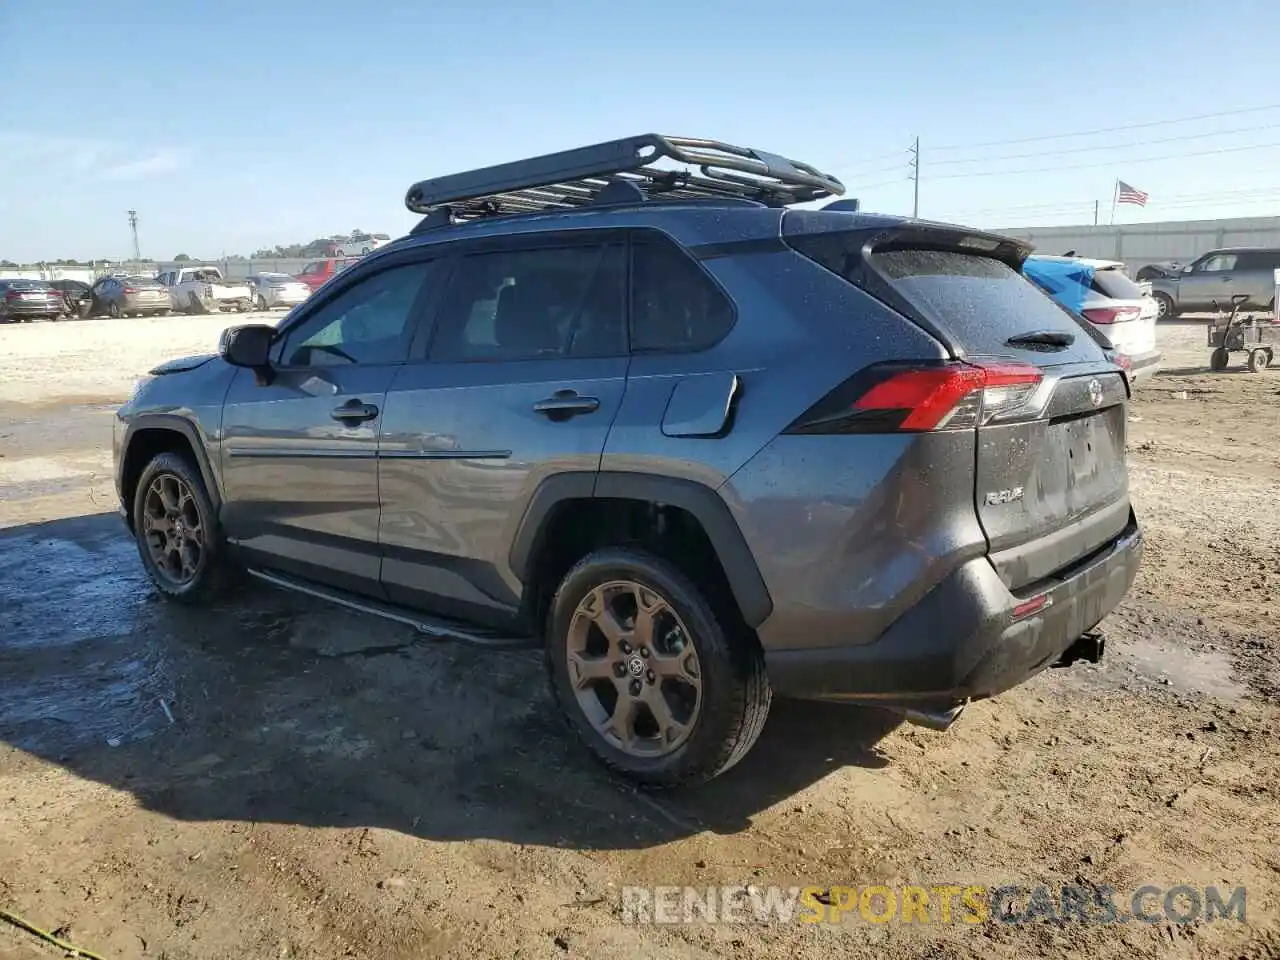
961,641
20,309
149,305
1144,365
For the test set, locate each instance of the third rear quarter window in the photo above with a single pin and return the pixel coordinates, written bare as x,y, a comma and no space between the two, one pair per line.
675,306
1115,284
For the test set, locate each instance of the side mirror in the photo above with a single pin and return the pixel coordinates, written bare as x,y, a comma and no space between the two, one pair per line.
247,346
1188,268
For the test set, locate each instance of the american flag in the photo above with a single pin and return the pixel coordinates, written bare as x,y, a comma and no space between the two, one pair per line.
1128,194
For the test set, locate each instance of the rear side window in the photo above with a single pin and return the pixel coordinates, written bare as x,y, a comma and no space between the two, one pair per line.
1115,284
534,304
1258,260
675,306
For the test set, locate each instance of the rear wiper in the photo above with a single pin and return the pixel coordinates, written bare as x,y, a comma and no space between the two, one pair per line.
1055,339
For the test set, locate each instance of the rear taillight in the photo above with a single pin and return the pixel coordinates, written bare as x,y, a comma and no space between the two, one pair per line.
12,295
893,398
130,289
1108,315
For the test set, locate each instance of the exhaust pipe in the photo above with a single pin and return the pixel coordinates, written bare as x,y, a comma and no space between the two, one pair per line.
1089,647
934,719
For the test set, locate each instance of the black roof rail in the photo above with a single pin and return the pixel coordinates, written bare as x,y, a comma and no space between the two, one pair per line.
620,171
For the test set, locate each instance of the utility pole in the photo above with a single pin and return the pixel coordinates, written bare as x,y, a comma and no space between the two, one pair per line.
133,225
1095,213
915,177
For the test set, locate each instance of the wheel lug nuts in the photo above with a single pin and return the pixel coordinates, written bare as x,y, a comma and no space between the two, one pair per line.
635,688
624,647
619,669
644,651
649,676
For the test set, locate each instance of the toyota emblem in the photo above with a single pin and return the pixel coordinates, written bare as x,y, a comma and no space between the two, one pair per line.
1095,391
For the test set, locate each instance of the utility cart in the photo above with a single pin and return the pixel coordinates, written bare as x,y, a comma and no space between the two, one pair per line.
1230,332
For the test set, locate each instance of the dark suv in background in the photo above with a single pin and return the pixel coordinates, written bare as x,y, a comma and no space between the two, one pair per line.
701,446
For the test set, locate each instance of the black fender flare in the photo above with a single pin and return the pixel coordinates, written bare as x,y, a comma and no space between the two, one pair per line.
172,423
702,502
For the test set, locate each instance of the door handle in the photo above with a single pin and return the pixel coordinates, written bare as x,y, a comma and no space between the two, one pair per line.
354,411
565,404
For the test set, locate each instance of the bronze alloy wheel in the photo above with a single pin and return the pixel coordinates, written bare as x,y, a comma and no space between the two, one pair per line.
634,669
174,532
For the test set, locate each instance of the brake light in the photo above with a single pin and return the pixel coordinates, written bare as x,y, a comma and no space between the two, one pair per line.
130,289
891,398
1108,315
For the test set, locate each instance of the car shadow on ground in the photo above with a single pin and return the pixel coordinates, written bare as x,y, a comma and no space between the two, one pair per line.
277,708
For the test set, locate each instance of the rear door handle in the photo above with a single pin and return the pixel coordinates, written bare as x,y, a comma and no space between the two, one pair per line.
565,404
354,411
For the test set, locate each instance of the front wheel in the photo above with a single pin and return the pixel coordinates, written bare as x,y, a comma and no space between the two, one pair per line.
113,311
1258,360
262,303
658,687
1218,359
176,529
1164,306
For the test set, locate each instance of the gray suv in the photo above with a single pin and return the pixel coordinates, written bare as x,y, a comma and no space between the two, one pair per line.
628,403
1217,277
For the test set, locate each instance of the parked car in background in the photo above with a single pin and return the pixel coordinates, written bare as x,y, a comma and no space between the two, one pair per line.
277,290
77,294
357,248
204,290
1217,277
129,296
1100,292
29,300
318,272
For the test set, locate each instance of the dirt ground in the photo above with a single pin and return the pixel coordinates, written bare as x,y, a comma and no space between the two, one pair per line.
334,786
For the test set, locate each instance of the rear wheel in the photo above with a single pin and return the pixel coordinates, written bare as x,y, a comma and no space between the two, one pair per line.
114,311
1258,360
1218,359
1164,304
176,529
658,687
262,303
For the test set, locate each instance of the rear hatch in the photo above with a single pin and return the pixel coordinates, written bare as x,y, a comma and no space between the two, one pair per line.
1050,480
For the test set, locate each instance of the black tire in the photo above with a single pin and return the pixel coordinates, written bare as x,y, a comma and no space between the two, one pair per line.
1218,359
212,571
735,693
262,304
1258,360
114,311
1164,304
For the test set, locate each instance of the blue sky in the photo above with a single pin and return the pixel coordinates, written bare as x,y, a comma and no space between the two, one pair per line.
239,125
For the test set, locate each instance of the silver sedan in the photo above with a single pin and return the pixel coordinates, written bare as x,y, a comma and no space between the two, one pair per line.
277,290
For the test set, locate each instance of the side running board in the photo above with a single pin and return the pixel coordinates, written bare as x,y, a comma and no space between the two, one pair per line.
431,626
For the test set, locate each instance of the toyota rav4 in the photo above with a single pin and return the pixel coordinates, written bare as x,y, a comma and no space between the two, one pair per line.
640,403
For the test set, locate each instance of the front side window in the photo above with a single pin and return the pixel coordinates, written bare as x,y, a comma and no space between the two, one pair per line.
675,307
534,304
369,322
1220,263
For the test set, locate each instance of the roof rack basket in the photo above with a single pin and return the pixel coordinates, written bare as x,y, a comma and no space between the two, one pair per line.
624,170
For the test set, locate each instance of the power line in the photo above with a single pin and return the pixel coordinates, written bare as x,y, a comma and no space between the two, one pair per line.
1111,146
1128,126
1105,163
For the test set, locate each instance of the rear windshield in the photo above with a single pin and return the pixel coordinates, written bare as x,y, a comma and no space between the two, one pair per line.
979,301
27,285
1114,283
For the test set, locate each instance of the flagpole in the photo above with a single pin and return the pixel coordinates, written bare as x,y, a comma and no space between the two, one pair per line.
1115,195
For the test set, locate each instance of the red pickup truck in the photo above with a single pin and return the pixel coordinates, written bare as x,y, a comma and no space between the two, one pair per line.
317,272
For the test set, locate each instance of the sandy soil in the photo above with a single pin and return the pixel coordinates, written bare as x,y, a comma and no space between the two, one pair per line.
332,786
